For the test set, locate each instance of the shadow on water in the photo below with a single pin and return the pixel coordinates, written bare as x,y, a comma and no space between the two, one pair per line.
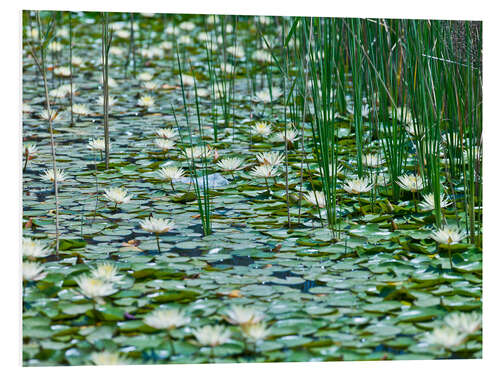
303,287
235,260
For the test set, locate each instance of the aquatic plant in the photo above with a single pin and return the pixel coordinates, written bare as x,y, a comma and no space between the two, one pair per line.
446,337
212,335
117,195
95,288
107,358
55,177
448,235
107,38
264,171
107,272
167,319
376,88
170,174
49,114
428,203
34,249
157,226
33,271
241,315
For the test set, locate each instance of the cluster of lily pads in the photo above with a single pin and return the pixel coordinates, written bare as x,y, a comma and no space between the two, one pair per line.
135,280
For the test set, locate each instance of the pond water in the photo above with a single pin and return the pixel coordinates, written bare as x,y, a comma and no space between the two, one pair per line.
375,292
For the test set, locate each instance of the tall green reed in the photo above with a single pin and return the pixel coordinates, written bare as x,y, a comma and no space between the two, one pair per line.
203,192
45,36
106,38
318,39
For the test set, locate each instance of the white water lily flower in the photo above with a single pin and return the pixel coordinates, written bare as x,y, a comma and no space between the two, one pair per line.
228,68
27,108
203,37
80,109
108,359
262,129
262,56
448,235
412,128
44,114
290,136
403,115
76,61
62,71
365,109
264,171
446,337
33,33
463,322
229,28
31,148
187,80
33,271
428,203
121,33
411,182
117,195
62,91
146,101
236,51
187,25
95,288
49,175
145,76
230,164
166,319
264,20
111,81
316,198
256,332
34,249
331,169
157,225
211,19
171,173
62,33
57,93
372,160
172,30
54,46
97,144
166,45
267,97
202,92
106,272
64,115
212,335
185,39
150,85
151,52
164,144
357,185
166,133
117,51
69,88
241,315
197,152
